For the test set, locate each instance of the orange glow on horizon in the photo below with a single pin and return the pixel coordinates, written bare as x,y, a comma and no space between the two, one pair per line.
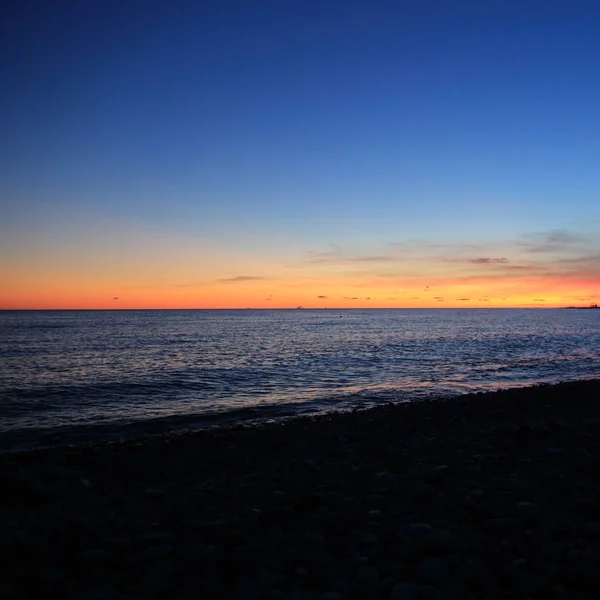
498,293
134,271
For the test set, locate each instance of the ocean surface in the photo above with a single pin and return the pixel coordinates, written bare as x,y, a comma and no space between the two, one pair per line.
76,376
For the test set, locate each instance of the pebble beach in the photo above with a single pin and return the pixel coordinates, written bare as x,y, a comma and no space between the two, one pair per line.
484,496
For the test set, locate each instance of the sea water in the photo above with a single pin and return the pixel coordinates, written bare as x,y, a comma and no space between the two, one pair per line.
76,375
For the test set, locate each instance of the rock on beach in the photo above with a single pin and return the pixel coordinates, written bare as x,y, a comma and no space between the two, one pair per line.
481,496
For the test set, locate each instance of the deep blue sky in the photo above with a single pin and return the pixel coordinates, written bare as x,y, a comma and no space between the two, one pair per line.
308,123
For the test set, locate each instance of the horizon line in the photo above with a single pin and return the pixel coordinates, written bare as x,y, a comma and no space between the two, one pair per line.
306,308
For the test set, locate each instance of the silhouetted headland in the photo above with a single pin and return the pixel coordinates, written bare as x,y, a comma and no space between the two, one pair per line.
483,496
591,306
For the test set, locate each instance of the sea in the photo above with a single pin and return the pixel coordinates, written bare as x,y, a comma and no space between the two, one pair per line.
78,376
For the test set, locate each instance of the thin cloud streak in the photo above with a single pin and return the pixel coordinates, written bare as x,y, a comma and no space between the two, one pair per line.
335,259
477,261
593,259
241,279
489,261
551,242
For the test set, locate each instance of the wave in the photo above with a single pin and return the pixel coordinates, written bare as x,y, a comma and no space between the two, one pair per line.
32,434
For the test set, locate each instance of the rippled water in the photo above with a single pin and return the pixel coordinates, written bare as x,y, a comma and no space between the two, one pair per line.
63,371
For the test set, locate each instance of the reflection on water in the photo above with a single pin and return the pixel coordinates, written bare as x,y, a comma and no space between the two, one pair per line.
82,367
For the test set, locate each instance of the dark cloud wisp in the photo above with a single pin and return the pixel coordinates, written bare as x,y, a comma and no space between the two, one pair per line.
241,278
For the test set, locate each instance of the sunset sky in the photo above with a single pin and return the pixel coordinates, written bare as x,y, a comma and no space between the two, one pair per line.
169,154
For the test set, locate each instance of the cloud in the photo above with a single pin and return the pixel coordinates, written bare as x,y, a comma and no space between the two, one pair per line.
489,261
322,297
543,248
593,259
555,240
417,244
503,265
539,300
410,263
562,236
369,259
526,268
555,236
578,267
477,261
334,258
463,299
241,279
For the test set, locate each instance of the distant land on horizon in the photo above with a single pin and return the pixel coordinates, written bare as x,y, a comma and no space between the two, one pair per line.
591,306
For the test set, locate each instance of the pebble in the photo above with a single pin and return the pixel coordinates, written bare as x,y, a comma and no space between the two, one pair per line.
375,515
474,572
425,538
591,529
502,526
155,537
368,579
516,570
117,542
529,511
559,592
405,591
313,540
434,570
155,493
338,583
100,593
96,555
157,552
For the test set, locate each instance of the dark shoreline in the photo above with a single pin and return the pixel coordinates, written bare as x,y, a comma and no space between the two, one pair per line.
490,495
33,439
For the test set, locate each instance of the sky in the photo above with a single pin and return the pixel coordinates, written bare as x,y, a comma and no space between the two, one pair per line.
179,154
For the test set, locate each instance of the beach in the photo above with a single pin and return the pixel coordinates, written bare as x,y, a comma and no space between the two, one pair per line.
490,495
